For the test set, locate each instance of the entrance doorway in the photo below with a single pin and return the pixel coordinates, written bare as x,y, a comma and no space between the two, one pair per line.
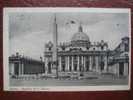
102,65
121,68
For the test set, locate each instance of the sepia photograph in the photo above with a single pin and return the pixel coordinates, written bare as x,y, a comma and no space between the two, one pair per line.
66,49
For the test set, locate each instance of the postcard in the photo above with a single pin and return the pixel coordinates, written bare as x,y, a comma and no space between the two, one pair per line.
66,49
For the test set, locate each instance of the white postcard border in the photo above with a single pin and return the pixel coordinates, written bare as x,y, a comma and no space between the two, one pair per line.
8,10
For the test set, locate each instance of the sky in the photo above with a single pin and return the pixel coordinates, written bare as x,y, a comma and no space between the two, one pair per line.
29,32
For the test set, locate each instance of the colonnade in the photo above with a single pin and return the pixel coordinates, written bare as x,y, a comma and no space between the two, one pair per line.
16,68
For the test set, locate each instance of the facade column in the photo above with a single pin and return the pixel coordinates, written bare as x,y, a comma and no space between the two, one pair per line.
90,66
68,63
105,64
46,65
72,63
13,69
78,63
97,65
84,63
59,63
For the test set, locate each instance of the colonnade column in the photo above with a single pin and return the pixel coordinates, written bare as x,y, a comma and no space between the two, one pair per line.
11,68
19,68
22,68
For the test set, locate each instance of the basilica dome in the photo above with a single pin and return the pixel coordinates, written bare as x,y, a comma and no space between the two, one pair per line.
80,36
80,39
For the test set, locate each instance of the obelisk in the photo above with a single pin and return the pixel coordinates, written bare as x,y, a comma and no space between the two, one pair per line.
55,35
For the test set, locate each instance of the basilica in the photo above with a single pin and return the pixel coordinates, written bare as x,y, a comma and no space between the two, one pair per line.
81,56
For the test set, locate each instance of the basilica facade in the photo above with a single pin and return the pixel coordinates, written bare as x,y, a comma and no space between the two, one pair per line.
79,55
